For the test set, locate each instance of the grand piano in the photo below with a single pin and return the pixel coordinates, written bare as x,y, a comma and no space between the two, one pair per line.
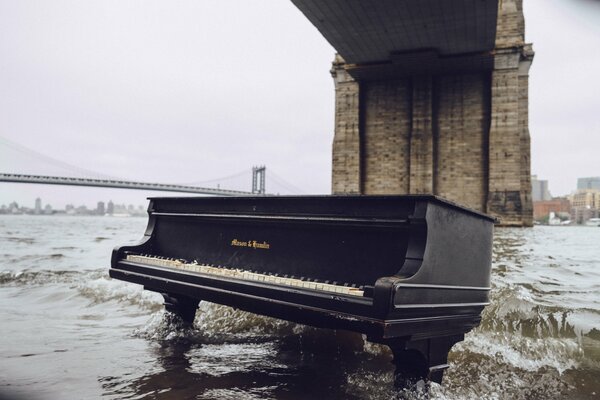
409,272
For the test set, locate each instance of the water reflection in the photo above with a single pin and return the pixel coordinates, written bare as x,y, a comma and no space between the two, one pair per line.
311,363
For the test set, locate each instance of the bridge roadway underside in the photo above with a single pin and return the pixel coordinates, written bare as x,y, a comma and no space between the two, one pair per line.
431,97
107,183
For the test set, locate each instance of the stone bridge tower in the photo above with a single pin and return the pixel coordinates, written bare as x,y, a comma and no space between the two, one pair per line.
431,100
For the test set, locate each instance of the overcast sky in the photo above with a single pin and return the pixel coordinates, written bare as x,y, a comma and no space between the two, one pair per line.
187,91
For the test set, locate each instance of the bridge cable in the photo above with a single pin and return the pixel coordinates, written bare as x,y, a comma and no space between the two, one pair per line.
53,161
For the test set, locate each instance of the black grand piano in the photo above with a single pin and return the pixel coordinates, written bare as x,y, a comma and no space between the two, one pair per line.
410,272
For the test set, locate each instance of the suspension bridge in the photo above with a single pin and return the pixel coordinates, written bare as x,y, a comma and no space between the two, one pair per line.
121,184
93,179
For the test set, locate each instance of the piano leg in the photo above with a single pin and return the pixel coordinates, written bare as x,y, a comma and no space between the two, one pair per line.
421,361
182,306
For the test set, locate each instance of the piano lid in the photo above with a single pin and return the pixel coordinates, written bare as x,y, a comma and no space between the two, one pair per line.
370,206
376,31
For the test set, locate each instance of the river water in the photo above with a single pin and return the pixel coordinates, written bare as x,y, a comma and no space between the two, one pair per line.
70,332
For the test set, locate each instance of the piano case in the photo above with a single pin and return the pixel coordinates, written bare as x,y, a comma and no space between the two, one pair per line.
411,272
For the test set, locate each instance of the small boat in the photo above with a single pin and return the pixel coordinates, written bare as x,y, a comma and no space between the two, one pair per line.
593,222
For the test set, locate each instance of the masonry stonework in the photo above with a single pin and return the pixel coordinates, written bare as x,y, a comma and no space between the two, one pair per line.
462,135
346,143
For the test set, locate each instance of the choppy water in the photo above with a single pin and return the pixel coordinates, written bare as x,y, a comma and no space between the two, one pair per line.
67,331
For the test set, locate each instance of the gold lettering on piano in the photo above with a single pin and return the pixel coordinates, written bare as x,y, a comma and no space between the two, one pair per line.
263,245
238,243
251,243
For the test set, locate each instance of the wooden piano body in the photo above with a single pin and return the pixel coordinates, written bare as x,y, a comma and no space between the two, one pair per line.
411,272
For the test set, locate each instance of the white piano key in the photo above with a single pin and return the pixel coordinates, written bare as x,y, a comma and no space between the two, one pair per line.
243,274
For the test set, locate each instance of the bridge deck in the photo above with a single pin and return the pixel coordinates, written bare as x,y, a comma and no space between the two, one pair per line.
119,184
386,31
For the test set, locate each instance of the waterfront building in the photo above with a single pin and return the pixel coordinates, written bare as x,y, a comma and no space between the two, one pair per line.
586,198
110,208
585,204
38,206
588,183
13,208
539,189
100,209
560,206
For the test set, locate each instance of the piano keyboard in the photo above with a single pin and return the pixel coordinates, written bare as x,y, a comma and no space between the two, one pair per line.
243,275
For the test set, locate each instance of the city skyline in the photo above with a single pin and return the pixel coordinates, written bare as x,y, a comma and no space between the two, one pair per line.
102,207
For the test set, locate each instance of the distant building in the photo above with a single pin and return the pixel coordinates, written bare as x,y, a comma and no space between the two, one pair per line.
13,208
48,209
560,206
110,208
582,215
38,206
585,204
100,209
586,198
82,210
539,189
588,183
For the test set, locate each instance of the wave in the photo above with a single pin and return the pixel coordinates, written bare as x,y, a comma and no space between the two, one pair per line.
216,324
93,285
44,276
20,240
102,289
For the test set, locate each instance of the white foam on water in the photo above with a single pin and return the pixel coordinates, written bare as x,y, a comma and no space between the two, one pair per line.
215,319
530,354
103,290
223,359
361,382
257,393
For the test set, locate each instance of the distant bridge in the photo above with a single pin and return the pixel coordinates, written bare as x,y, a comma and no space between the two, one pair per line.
121,184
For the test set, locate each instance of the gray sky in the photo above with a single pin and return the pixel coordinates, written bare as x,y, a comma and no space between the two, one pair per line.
186,91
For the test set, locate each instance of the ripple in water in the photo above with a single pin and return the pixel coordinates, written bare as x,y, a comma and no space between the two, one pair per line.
539,339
